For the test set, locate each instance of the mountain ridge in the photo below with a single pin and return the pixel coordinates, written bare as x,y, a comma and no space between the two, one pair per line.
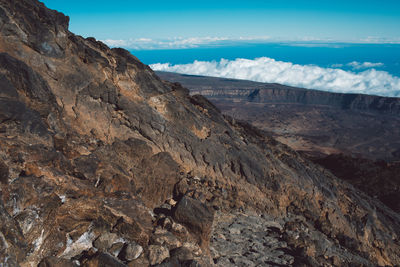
278,93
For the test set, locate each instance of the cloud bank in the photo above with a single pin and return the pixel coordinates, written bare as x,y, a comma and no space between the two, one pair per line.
195,42
264,69
355,65
180,42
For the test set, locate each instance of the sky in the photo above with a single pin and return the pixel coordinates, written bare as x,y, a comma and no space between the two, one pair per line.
180,29
179,23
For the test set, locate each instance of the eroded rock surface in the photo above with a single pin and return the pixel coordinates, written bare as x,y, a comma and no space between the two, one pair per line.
97,154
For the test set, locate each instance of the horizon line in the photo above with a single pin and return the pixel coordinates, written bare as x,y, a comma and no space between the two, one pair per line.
211,41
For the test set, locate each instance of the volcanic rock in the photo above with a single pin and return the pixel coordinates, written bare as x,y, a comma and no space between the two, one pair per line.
157,254
197,217
131,252
54,262
95,143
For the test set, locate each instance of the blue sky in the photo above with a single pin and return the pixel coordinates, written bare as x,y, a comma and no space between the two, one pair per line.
317,28
125,23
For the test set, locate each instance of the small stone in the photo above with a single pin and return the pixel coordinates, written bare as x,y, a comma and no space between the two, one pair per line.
196,250
182,254
157,254
131,252
106,240
172,202
160,231
167,239
166,223
179,229
223,261
103,260
181,188
116,248
139,262
235,231
56,262
161,216
221,236
214,253
166,206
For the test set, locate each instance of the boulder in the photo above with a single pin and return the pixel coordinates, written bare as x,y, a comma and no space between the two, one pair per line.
56,262
131,252
197,218
103,260
157,254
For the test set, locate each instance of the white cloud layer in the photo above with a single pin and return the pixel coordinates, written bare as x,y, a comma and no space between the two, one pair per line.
264,69
180,42
355,65
194,42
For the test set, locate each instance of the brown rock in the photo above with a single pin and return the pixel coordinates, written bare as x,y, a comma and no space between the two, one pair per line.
56,262
4,173
131,252
182,254
166,239
106,240
103,260
197,217
139,262
157,254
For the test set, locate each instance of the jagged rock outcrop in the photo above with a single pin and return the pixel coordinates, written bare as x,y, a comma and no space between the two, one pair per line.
97,154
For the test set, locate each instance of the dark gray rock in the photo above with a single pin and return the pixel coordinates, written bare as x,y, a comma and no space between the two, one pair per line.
103,260
197,217
56,262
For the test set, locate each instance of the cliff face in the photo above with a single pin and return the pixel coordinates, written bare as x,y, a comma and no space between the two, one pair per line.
102,163
357,102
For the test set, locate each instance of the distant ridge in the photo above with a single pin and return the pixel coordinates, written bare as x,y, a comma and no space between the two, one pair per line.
277,93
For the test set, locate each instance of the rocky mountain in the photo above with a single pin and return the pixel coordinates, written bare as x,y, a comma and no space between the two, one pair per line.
104,164
311,121
354,136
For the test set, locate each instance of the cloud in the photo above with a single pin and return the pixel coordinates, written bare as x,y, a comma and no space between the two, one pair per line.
115,43
194,42
316,44
365,65
268,70
380,40
355,65
181,43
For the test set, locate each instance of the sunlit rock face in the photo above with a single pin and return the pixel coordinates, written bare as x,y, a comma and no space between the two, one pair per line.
98,155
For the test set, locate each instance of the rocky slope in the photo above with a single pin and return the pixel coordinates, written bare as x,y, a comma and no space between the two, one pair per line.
316,122
104,164
354,136
378,179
